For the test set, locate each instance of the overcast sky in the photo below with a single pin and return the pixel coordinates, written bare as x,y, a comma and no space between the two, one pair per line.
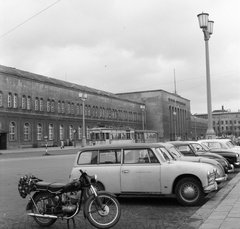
127,45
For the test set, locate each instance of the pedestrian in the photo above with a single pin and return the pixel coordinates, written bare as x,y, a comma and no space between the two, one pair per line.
62,144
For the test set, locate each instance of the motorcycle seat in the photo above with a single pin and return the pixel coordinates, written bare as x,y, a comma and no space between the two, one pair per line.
49,186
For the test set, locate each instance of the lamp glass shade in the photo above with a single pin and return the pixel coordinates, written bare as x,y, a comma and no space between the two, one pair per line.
210,27
203,20
80,94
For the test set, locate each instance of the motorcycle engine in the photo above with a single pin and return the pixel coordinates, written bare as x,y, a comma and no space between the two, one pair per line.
69,201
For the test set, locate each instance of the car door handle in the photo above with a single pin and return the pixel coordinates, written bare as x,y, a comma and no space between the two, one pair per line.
125,171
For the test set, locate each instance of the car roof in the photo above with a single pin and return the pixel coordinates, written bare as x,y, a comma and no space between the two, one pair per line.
181,142
125,145
215,140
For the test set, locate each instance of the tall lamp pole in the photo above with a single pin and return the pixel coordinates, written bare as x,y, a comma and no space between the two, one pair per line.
175,125
83,97
207,28
143,109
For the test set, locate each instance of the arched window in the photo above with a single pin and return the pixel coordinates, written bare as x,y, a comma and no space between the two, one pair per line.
96,112
10,100
79,132
63,107
52,106
61,132
81,109
48,105
36,104
29,103
15,101
50,132
39,131
78,109
24,102
26,132
68,108
41,104
12,131
59,108
1,99
72,108
71,132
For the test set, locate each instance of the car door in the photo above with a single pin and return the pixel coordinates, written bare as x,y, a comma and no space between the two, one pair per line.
140,171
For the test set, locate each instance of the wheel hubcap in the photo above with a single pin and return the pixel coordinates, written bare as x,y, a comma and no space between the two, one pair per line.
104,211
189,192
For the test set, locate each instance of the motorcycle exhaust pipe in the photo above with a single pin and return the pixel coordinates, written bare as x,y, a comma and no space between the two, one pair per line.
42,216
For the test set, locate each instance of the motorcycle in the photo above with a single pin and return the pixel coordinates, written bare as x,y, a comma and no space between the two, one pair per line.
51,201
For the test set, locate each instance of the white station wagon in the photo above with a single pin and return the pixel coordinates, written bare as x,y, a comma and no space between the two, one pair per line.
145,169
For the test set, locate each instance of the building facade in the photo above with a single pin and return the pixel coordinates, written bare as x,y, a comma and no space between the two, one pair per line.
36,109
225,122
167,113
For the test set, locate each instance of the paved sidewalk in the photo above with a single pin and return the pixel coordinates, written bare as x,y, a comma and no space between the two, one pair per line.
222,211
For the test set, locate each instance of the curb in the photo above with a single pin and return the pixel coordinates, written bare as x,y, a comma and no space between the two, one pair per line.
202,214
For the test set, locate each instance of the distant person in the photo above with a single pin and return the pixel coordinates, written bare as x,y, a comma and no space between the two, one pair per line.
62,144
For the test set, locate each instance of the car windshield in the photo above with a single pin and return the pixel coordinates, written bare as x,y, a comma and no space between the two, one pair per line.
175,152
163,153
230,144
198,147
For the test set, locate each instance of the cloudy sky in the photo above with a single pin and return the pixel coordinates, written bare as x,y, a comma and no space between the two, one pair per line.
127,45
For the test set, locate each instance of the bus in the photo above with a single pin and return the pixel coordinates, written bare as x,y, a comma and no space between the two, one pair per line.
105,136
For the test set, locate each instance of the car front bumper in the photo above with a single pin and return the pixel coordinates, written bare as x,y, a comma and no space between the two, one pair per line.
231,170
220,179
210,188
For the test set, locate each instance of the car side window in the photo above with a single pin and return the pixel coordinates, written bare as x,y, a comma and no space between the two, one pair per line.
136,156
88,157
110,156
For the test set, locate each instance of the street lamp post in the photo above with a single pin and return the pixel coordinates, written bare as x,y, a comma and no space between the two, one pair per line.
143,109
175,125
195,128
207,28
83,97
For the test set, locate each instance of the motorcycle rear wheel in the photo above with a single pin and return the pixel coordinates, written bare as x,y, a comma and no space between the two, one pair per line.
43,202
105,217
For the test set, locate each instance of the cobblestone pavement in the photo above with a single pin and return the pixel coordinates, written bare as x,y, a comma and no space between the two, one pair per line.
137,213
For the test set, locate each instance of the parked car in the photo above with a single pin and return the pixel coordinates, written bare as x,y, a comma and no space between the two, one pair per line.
223,147
146,169
177,155
188,148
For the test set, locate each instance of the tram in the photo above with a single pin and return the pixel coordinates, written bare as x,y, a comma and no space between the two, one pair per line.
102,136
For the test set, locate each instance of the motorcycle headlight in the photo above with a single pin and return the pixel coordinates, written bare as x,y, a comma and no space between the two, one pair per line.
94,179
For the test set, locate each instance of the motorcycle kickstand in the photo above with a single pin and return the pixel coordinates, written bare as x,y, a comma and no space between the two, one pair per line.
74,224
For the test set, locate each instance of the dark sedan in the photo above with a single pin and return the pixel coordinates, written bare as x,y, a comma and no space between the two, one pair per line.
188,148
223,147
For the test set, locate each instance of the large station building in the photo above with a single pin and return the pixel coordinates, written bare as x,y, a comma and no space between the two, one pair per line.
35,109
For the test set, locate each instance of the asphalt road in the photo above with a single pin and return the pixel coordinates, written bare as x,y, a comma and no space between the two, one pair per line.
139,213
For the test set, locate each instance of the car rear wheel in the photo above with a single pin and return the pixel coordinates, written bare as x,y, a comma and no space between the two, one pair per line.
189,192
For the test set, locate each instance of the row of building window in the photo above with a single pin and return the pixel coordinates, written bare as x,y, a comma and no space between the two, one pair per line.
227,128
69,108
226,122
39,133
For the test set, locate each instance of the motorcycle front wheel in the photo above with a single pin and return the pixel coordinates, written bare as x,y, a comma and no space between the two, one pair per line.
103,211
44,203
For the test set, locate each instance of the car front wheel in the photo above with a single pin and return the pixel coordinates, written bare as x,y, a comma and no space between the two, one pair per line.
189,192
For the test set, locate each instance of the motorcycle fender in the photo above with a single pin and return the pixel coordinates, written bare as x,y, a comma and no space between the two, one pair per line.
30,202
